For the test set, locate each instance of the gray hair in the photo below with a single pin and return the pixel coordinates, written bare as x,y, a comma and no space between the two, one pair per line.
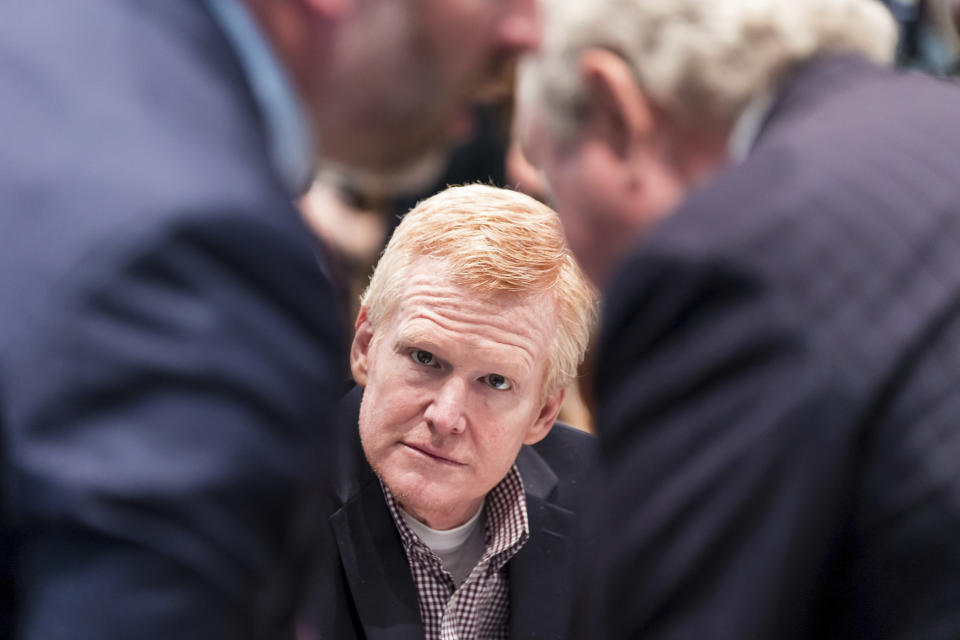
701,61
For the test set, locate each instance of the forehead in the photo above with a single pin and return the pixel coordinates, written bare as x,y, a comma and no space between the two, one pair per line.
434,310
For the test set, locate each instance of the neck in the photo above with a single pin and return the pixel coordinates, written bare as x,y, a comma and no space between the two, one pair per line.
442,520
698,156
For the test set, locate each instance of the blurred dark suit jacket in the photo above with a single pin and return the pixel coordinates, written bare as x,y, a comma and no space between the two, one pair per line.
168,346
779,381
372,595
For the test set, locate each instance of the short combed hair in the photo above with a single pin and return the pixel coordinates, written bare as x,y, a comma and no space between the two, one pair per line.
495,242
699,61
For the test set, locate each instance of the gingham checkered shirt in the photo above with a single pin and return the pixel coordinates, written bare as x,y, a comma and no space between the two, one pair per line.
480,607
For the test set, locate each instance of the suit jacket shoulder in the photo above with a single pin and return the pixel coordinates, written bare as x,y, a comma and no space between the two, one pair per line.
770,354
169,343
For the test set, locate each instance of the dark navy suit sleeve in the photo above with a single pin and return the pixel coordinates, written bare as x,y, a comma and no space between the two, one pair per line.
912,563
725,470
173,408
777,381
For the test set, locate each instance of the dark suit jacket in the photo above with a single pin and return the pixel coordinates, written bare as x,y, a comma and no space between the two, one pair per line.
779,381
373,595
168,346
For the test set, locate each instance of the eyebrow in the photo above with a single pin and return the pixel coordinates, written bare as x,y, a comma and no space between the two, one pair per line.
416,338
423,340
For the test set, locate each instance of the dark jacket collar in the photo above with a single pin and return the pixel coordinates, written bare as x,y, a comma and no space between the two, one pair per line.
804,86
541,574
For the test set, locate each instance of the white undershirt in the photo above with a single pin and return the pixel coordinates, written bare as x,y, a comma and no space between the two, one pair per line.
459,549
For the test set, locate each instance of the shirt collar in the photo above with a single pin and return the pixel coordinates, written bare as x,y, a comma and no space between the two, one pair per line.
288,131
747,128
508,527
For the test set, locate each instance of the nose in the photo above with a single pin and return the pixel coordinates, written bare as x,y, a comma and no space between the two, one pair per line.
521,29
445,414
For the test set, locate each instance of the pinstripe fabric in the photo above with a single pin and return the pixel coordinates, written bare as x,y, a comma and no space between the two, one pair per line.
779,380
480,607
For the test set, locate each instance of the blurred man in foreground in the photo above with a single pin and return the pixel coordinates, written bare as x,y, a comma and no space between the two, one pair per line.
458,498
169,348
774,217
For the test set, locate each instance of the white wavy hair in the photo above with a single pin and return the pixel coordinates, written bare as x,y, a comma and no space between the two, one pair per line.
701,61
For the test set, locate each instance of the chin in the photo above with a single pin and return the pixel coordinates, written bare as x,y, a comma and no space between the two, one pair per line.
420,499
410,177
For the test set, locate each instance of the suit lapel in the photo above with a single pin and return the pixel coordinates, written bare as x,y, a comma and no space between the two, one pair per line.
376,568
377,573
542,573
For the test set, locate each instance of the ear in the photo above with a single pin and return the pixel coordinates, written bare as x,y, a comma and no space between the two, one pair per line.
548,415
619,111
360,349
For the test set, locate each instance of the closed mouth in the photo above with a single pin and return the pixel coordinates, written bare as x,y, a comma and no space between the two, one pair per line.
433,456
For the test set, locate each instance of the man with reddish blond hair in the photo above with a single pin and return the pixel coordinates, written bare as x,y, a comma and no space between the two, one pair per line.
460,495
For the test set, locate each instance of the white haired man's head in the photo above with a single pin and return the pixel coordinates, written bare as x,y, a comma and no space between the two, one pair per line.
630,103
697,60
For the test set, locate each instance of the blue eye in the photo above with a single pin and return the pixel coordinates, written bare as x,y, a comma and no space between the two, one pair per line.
498,382
423,357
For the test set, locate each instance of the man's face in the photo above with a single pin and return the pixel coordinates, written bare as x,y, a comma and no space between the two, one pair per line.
607,199
584,191
405,74
453,387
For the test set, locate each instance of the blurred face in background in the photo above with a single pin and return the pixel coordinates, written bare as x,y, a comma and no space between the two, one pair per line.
611,181
405,73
